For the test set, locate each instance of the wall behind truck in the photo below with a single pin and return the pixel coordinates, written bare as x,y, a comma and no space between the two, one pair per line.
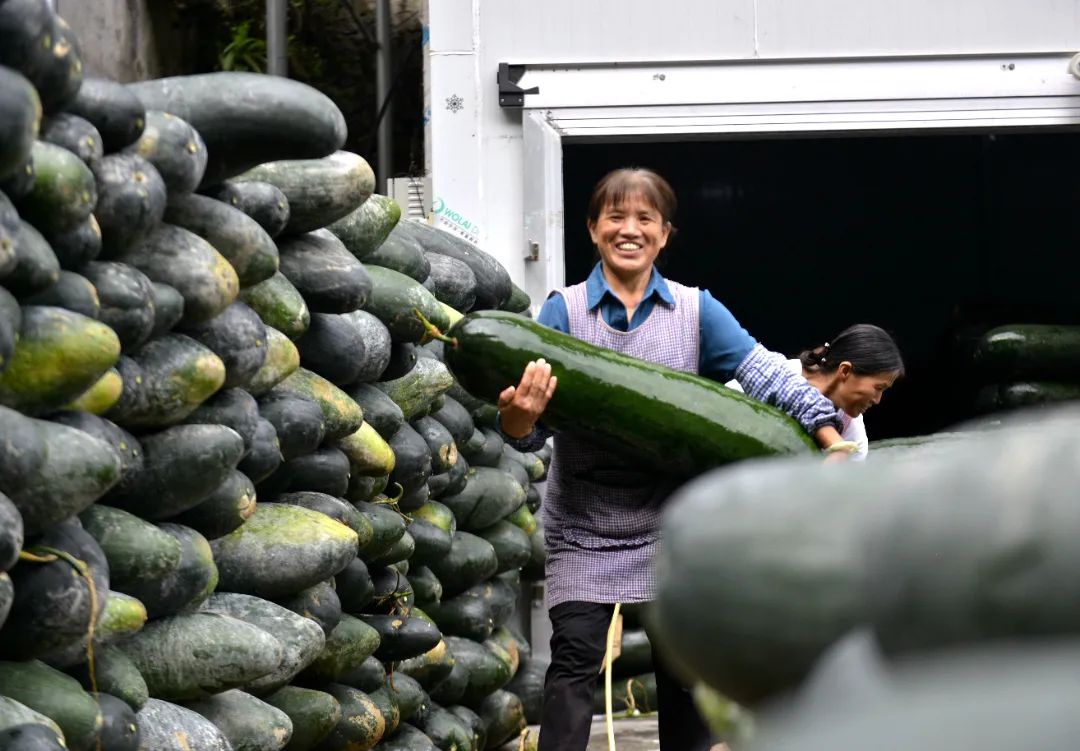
120,39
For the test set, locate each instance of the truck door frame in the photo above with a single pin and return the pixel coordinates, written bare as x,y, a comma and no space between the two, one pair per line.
766,98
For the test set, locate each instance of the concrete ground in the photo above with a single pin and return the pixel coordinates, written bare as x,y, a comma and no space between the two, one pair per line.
631,734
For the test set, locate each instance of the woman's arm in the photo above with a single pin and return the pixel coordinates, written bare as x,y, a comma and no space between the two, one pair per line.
764,375
727,349
521,406
531,441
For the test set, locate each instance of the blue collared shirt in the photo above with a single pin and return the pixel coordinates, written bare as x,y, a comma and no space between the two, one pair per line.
724,344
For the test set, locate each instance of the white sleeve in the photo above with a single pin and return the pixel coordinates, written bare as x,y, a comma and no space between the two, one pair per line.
856,431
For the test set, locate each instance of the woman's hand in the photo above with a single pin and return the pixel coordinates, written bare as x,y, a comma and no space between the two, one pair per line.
832,443
521,406
836,457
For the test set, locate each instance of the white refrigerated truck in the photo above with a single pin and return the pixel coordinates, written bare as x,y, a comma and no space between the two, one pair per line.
596,71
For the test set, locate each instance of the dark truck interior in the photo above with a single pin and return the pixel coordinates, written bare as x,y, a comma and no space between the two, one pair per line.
936,238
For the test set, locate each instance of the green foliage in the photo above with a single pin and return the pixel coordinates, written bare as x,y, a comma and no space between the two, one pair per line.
245,49
243,52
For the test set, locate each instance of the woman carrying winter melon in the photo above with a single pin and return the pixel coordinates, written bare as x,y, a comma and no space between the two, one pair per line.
602,513
854,370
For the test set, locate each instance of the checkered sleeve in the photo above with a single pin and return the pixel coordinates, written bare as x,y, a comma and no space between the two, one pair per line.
765,376
530,442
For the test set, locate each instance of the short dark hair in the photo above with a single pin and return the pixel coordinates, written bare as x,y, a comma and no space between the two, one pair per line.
616,185
870,350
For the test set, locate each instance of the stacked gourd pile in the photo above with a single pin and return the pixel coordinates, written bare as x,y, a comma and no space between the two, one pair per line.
1026,365
202,304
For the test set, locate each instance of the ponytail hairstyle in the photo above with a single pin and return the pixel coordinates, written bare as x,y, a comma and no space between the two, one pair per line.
868,348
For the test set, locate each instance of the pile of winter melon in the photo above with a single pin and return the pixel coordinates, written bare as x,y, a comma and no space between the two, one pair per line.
243,502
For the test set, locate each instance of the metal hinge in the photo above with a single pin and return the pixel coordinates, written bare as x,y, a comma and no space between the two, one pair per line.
510,94
532,250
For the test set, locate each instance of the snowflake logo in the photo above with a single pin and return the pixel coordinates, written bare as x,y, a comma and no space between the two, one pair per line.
454,103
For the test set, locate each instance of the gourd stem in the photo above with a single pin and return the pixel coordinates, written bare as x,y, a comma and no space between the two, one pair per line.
431,331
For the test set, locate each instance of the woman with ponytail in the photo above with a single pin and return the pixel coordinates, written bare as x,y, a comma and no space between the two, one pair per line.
852,370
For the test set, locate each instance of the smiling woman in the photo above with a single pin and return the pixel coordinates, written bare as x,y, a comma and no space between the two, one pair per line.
602,511
629,223
629,237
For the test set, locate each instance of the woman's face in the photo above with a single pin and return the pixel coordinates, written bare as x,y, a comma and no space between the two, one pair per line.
630,236
857,393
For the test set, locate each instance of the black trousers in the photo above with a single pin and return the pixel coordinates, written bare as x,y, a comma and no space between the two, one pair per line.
578,641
